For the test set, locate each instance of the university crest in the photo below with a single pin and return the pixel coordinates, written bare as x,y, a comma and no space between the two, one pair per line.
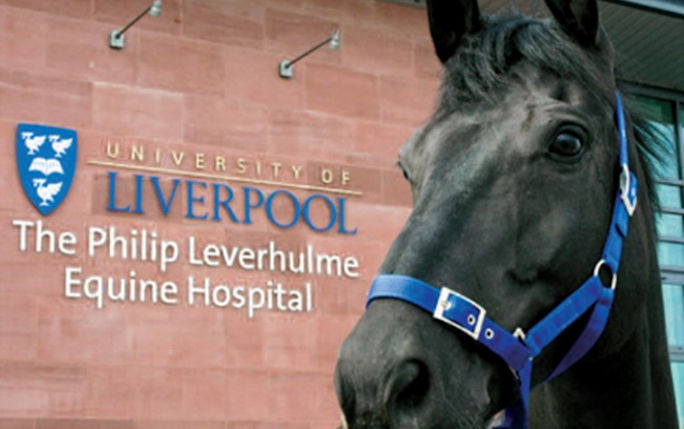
46,162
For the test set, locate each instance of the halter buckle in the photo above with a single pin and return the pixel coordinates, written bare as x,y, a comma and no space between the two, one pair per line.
443,305
625,190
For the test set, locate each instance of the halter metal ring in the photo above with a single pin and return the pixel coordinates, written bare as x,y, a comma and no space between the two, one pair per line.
597,268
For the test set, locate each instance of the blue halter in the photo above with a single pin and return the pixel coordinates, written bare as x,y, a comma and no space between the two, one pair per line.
519,349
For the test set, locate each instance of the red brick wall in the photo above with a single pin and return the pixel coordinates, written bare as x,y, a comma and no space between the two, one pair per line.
199,78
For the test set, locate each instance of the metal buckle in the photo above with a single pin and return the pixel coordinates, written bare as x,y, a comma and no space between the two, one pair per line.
443,305
625,179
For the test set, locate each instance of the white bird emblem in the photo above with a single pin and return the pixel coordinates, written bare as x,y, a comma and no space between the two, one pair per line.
46,166
60,147
32,143
46,192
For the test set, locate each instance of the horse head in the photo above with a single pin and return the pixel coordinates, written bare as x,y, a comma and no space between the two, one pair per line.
514,179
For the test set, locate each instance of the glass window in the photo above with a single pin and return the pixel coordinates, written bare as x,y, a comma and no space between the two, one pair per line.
670,254
673,297
670,226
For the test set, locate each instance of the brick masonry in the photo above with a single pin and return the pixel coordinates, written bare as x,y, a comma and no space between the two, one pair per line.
199,78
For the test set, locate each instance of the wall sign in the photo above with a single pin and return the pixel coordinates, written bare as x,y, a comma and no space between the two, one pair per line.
203,189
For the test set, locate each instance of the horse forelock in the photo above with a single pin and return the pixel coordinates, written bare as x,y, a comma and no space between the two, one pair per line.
481,63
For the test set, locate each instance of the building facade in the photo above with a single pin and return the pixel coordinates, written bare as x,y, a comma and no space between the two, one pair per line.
222,225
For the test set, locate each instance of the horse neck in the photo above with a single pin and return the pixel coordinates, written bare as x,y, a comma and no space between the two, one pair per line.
631,388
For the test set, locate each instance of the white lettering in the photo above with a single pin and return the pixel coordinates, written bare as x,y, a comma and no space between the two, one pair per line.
256,300
350,265
168,254
24,226
70,282
96,237
203,290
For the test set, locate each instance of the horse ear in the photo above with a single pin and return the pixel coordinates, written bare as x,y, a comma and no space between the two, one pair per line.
449,21
579,19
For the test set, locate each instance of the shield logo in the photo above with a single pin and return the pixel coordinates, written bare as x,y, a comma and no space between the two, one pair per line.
46,162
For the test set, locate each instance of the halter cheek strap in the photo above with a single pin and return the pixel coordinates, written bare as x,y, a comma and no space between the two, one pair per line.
519,349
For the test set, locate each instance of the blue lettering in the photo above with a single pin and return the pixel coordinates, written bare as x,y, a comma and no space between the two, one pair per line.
111,206
164,204
138,193
248,202
342,229
192,199
218,202
223,198
295,205
307,217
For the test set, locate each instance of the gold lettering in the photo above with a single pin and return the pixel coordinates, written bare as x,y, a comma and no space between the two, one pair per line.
157,156
199,161
137,153
177,157
220,163
326,176
242,168
112,153
296,170
258,168
345,177
276,169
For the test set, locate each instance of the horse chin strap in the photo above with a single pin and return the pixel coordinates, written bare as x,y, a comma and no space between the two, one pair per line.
519,349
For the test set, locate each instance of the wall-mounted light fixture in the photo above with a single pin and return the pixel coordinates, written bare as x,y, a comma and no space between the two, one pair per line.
286,67
116,37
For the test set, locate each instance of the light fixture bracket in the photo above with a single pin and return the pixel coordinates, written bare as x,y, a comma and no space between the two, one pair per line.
285,69
116,37
117,40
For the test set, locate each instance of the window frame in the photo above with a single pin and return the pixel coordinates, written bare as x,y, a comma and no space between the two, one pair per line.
669,273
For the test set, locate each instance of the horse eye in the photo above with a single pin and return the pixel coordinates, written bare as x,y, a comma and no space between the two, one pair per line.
567,144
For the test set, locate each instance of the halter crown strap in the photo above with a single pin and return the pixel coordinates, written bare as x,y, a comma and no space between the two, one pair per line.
518,350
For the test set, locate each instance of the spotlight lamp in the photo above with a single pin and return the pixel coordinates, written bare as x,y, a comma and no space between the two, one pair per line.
117,39
286,67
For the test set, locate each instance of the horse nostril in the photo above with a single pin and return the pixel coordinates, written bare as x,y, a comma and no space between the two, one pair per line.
406,385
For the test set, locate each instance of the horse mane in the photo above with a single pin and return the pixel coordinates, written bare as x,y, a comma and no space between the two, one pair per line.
480,64
654,148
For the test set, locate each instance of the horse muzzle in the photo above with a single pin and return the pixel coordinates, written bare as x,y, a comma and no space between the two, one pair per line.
390,375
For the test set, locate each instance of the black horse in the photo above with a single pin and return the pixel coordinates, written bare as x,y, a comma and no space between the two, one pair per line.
514,180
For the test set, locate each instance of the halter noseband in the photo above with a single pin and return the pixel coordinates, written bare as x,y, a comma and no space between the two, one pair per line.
519,349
